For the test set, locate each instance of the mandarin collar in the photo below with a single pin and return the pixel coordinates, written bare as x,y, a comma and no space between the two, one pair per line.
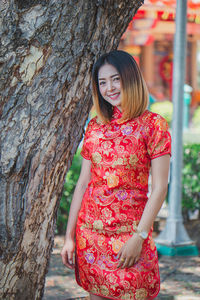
117,114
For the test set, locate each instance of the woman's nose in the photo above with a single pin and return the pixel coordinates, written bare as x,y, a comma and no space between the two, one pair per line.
110,85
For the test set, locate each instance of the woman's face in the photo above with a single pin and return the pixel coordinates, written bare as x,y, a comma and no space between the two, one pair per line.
110,85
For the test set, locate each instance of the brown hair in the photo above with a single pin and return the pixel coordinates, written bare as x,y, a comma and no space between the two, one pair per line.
134,91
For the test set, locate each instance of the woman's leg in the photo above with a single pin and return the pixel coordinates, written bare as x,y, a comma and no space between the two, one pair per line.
95,297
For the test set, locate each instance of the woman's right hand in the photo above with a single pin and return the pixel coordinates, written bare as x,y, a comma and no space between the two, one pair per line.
68,252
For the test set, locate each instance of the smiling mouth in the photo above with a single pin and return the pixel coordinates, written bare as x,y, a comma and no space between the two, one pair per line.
114,96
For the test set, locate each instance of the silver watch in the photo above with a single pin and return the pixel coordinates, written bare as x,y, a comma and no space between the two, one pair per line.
142,234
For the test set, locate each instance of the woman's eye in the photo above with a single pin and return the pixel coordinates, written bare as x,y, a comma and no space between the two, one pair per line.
116,79
102,82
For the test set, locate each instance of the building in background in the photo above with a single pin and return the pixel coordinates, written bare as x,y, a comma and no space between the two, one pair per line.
149,38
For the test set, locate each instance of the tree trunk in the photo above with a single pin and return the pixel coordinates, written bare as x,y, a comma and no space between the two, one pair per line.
47,50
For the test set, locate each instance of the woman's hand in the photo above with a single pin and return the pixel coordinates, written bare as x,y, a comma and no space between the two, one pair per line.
68,252
130,252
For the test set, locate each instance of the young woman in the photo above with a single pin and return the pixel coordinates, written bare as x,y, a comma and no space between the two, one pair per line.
110,213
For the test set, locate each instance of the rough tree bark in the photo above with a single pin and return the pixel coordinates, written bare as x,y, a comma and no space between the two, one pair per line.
47,49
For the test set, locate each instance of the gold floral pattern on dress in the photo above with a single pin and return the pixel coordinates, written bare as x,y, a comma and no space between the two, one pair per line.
133,159
98,224
112,179
106,146
96,157
112,278
116,245
127,296
119,162
81,243
113,203
152,244
142,178
104,290
141,294
159,122
107,215
101,240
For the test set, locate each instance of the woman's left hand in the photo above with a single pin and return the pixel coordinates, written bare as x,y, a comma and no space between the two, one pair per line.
130,252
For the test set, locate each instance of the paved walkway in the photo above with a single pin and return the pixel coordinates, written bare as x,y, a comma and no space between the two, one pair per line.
180,278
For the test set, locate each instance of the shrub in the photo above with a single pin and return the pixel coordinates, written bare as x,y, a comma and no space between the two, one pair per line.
191,179
165,109
68,190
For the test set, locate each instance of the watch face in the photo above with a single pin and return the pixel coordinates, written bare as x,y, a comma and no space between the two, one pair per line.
144,234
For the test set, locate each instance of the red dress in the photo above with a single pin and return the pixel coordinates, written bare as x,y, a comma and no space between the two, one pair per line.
113,204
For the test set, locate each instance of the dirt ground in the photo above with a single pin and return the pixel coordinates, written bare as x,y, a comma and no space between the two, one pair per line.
180,276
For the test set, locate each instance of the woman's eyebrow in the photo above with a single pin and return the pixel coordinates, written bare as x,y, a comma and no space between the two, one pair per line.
110,76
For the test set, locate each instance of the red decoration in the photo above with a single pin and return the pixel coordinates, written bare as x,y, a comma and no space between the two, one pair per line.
166,70
193,4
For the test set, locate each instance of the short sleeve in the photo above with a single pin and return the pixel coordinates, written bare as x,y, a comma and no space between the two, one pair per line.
85,152
159,138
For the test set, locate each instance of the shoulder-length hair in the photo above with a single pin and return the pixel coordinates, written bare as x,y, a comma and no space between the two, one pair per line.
134,92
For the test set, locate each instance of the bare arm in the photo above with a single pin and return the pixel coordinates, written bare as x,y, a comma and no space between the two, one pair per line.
159,173
69,245
130,252
79,191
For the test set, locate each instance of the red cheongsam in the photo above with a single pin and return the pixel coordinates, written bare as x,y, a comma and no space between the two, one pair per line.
113,204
